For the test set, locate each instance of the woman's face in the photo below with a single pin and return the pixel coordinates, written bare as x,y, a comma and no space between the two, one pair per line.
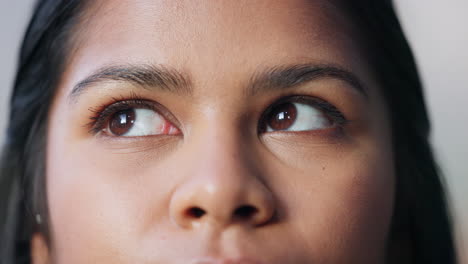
218,132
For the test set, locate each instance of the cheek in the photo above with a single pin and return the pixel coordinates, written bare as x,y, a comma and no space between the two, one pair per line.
101,204
360,205
342,210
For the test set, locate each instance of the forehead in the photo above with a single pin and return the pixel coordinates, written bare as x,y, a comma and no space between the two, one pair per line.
214,39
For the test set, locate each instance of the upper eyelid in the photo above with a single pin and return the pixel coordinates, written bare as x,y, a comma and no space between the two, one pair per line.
340,117
305,99
105,112
123,104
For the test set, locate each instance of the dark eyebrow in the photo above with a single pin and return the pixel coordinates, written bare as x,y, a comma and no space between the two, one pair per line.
147,76
171,80
294,75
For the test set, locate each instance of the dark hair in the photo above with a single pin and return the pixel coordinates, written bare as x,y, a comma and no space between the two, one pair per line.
421,228
22,176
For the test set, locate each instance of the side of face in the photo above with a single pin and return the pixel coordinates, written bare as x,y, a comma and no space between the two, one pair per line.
218,132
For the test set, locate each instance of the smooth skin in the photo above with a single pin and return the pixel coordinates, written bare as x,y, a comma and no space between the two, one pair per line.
218,188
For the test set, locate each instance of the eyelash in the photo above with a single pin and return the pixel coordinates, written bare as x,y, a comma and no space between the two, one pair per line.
101,115
327,108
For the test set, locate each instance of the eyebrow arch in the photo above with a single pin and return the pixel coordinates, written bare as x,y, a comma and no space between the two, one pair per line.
168,79
293,75
145,75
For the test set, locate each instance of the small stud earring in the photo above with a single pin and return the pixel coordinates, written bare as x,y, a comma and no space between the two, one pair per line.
38,219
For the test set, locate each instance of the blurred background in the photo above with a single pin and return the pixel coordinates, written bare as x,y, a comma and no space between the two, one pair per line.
437,31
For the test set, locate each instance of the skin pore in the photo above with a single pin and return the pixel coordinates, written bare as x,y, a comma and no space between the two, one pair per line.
217,132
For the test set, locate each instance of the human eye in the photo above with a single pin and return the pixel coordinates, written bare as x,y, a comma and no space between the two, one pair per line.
133,118
300,113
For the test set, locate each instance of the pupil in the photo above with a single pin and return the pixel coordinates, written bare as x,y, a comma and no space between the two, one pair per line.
283,116
122,121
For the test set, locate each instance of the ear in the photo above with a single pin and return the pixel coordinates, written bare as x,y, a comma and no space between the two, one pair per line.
39,250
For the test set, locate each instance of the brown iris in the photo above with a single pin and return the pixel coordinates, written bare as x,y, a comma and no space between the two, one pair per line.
121,122
282,116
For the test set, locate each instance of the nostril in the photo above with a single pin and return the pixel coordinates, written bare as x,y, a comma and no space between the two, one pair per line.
245,212
195,212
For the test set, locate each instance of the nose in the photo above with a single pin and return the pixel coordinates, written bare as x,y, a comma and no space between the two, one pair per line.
223,187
